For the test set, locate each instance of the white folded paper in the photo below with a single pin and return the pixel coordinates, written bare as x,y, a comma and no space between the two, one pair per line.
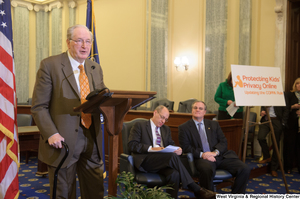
168,149
231,109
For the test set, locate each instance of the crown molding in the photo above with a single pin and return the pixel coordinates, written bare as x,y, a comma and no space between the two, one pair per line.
41,6
39,2
279,9
56,4
27,5
37,8
72,4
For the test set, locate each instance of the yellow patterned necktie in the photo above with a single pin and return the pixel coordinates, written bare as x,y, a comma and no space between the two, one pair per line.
86,119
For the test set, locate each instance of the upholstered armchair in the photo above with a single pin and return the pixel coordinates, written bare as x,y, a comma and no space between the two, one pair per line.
127,164
188,161
186,106
164,101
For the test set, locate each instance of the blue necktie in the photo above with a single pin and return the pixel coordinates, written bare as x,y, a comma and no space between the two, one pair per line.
204,141
158,138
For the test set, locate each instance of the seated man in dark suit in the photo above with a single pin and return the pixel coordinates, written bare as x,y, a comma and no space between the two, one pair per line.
154,135
209,149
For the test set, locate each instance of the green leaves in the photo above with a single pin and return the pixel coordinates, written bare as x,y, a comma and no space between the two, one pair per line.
130,189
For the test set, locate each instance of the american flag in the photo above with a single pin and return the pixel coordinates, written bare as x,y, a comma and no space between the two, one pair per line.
9,163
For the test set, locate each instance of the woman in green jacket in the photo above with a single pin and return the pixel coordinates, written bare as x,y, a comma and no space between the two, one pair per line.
224,97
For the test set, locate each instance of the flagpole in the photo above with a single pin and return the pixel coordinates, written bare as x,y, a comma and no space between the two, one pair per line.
90,23
93,25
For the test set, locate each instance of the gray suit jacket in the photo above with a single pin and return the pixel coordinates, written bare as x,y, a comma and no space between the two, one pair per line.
54,97
140,139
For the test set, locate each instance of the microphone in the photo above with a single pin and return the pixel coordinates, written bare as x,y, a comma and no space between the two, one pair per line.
93,67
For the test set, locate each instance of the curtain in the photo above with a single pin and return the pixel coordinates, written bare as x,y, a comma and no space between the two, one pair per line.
158,44
42,37
56,31
21,52
245,32
72,16
215,49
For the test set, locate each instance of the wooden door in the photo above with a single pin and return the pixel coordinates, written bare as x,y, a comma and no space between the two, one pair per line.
292,71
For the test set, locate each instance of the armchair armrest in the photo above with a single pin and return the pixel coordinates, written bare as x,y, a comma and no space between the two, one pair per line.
192,164
126,163
188,161
149,179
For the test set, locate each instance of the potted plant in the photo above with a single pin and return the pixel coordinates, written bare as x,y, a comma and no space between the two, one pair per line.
130,189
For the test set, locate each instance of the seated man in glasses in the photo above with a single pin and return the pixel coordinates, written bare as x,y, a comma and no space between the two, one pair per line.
154,135
206,141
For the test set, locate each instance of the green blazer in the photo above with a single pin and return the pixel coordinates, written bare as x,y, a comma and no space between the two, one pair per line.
223,94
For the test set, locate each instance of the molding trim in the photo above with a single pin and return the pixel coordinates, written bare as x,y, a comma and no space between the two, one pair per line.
37,8
279,11
56,4
72,4
280,37
27,5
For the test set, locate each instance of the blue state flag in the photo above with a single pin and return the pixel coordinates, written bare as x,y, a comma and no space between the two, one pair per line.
90,23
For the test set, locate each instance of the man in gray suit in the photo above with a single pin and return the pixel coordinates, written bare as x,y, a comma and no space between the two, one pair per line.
56,93
206,141
154,135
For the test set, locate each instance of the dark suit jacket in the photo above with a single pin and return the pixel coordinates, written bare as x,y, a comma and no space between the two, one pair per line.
190,141
140,139
281,112
54,97
292,99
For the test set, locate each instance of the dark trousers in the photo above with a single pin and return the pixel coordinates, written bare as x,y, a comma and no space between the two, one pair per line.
170,166
235,166
223,115
291,148
264,130
87,164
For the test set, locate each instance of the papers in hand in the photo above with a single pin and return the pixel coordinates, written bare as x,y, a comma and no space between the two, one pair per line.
231,109
168,149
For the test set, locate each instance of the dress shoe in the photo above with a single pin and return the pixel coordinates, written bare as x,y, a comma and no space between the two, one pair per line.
205,194
288,171
264,161
274,174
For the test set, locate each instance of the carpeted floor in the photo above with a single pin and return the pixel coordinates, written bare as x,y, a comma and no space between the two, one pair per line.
33,186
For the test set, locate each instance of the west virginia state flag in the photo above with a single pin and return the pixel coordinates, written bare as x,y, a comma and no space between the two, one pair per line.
90,23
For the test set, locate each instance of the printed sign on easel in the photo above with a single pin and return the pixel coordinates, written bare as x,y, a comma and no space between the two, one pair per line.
257,86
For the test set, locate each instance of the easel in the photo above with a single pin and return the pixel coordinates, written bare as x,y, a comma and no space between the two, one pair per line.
245,132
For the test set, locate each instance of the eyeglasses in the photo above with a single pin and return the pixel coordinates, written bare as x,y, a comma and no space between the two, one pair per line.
200,108
81,41
162,117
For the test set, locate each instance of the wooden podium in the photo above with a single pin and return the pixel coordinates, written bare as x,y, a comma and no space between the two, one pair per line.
114,105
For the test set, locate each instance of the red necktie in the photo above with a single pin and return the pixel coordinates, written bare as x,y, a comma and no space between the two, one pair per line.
86,119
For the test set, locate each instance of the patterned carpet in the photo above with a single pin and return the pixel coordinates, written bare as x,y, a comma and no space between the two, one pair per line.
33,186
